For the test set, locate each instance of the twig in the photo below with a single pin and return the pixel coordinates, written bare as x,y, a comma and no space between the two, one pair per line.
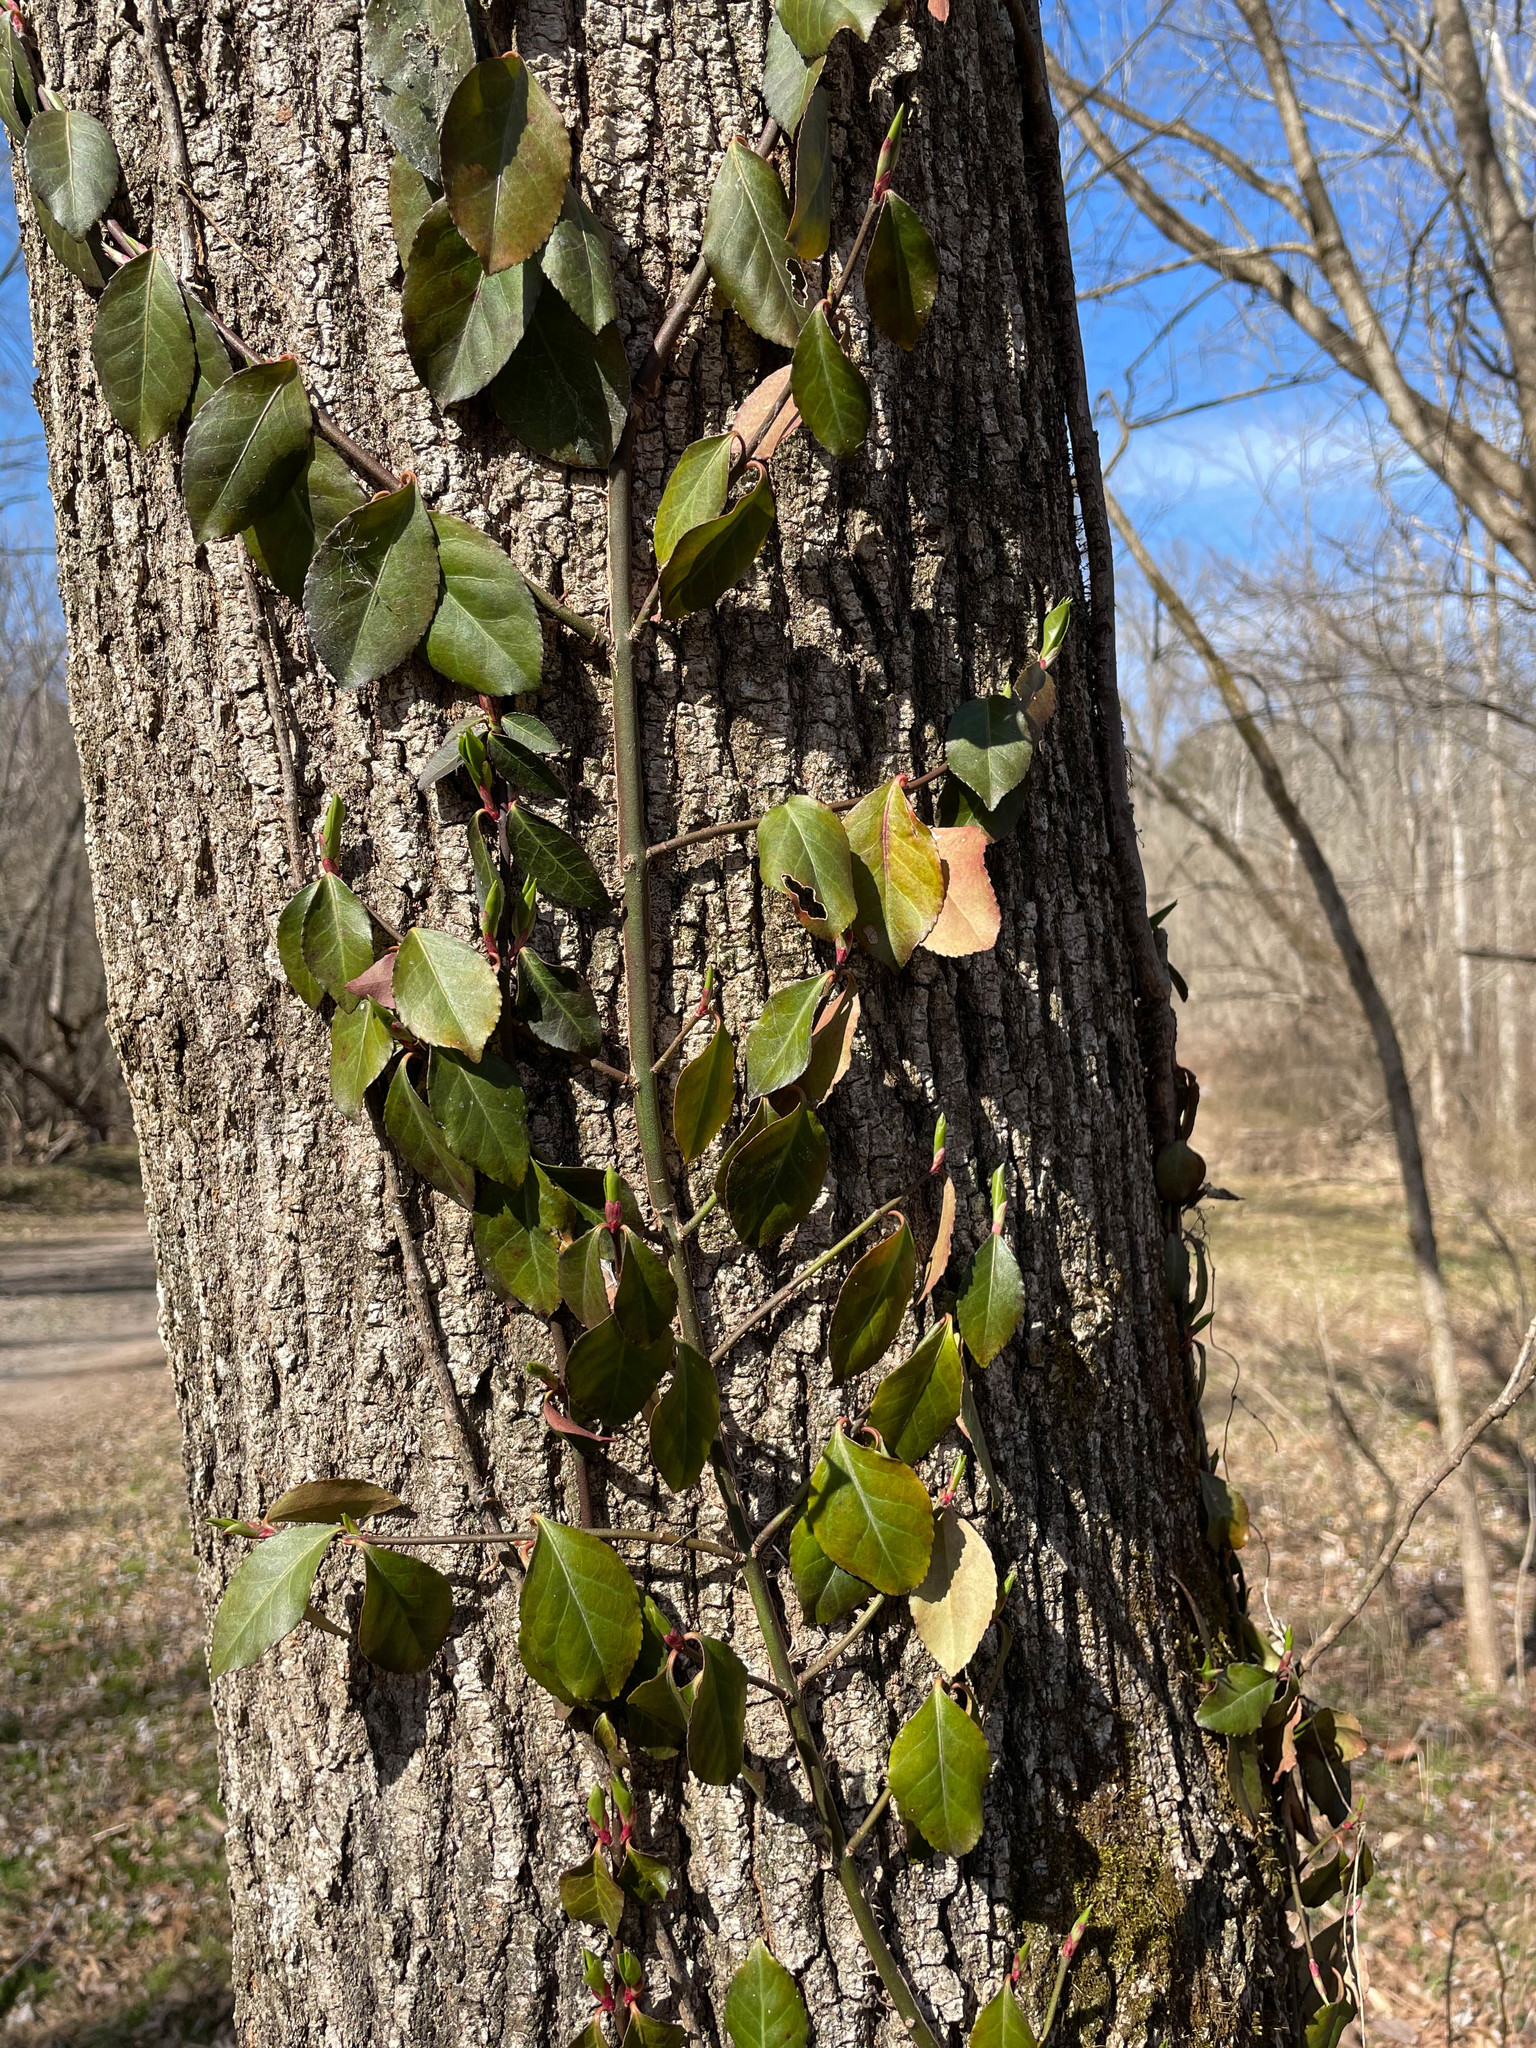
35,1949
669,1538
664,1060
792,1287
829,1657
769,1530
731,827
1522,1575
706,1208
866,1826
173,127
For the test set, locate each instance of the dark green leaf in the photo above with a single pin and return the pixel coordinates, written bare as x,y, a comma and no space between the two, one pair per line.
705,1096
763,2008
72,166
1329,2024
779,1043
646,1301
871,1305
686,1420
939,1765
417,1136
588,1893
576,261
804,842
914,1405
658,1716
645,1878
579,1617
758,1122
901,276
485,634
516,1241
282,542
480,1107
993,1302
214,369
746,245
1001,2024
717,1722
415,52
811,24
372,588
960,806
557,1006
446,993
362,1046
142,348
565,391
772,1183
246,448
583,1284
82,256
612,1378
290,946
810,229
327,1500
788,80
970,1422
337,938
407,1610
411,199
696,492
825,1591
711,559
898,877
558,863
831,393
522,768
871,1514
506,157
1238,1702
646,2031
461,323
18,85
266,1598
988,746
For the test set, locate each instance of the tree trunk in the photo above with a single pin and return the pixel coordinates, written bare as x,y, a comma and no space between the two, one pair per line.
394,1844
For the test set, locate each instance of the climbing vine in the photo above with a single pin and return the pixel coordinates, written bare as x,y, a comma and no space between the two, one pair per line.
508,300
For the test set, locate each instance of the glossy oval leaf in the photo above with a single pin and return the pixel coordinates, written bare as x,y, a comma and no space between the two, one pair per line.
993,1302
901,275
579,1616
411,199
971,918
583,1282
415,52
577,262
717,1720
290,946
695,492
565,390
988,745
646,1300
362,1046
282,542
917,1403
825,1591
871,1304
1001,2024
559,864
952,1609
803,853
788,78
142,347
72,166
830,391
746,245
557,1006
961,806
327,1500
1238,1702
610,1377
418,1137
871,1514
505,157
686,1420
772,1184
481,1109
82,256
705,1096
810,227
485,634
763,2008
446,993
407,1610
337,938
372,588
898,877
245,449
779,1043
461,323
811,24
517,1244
939,1765
711,559
521,767
266,1598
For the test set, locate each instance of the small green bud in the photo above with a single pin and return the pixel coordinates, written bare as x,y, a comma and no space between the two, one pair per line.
999,1203
890,149
597,1806
607,1735
618,1791
592,1971
1054,631
330,829
472,754
630,1968
495,904
525,910
939,1131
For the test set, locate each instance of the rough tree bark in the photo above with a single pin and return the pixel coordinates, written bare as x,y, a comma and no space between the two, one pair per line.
394,1844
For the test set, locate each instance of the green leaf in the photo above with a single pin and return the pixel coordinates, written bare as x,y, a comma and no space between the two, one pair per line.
914,1405
705,1096
960,806
645,1878
788,80
646,2031
516,1241
988,746
418,1137
811,24
1329,2024
871,1515
290,946
1238,1702
993,1302
711,559
480,1107
565,391
214,369
871,1304
521,767
411,199
245,449
970,1422
952,1609
763,2008
686,1420
372,588
446,993
558,863
901,275
758,1122
898,877
658,1716
415,53
1054,630
1001,2024
506,157
577,263
327,1500
831,1048
407,1610
18,86
779,1043
557,1006
810,228
81,256
461,323
142,348
802,851
746,245
583,1285
695,493
266,1598
588,1893
282,542
646,1300
485,634
362,1046
772,1183
337,938
717,1721
939,1764
579,1617
831,393
72,166
611,1377
825,1591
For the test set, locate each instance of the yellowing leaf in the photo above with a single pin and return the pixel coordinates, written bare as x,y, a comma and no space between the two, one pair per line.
953,1607
970,920
898,877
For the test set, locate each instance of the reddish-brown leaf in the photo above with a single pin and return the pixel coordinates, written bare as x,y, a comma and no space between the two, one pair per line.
377,981
938,1258
970,920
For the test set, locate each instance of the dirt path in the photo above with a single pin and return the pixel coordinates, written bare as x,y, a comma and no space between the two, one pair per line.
77,1323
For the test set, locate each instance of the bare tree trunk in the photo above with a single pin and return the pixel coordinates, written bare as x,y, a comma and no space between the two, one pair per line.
394,1845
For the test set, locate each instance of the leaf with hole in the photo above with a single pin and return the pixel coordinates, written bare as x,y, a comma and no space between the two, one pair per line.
993,1302
695,492
362,1046
1001,2024
415,53
988,745
938,1767
446,993
971,919
282,542
142,347
485,634
830,391
588,1893
711,559
646,1300
461,323
506,157
557,1006
871,1514
565,390
1238,1702
327,1500
407,1610
810,227
411,199
418,1137
811,24
611,1377
705,1096
290,946
763,2008
788,79
579,1616
825,1591
72,166
686,1420
952,1609
337,938
916,1404
559,864
772,1184
901,273
481,1109
583,1283
779,1043
898,877
577,263
804,843
372,588
746,245
516,1240
871,1305
717,1721
245,449
266,1598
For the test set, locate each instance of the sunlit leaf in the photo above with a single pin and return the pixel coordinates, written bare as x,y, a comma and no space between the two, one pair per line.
290,946
952,1609
645,1878
506,157
711,559
337,938
446,992
993,1302
521,767
577,262
915,1404
901,275
72,166
485,634
805,843
686,1420
695,492
646,2031
18,85
1001,2024
988,745
327,1500
831,1050
788,80
763,2008
705,1096
556,1005
415,53
746,245
559,864
810,227
970,920
943,1242
142,347
362,1046
1238,1702
246,449
898,877
418,1137
372,587
411,199
588,1893
772,1183
871,1304
579,1616
583,1283
266,1598
717,1720
407,1610
871,1514
461,323
825,1591
1330,2023
938,1768
565,390
480,1107
646,1300
282,542
516,1240
611,1377
779,1043
811,24
831,392
1226,1513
